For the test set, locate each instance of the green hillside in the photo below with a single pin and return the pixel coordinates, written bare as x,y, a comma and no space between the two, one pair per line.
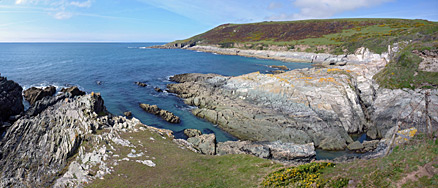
336,36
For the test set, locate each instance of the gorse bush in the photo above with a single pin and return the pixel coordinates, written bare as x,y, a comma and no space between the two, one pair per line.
307,175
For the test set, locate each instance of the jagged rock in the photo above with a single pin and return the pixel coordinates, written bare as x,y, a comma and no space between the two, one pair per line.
38,146
73,91
192,132
34,94
205,143
157,89
191,77
11,102
141,84
355,146
166,115
369,145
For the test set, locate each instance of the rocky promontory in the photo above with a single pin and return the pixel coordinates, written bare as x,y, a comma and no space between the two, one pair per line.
316,105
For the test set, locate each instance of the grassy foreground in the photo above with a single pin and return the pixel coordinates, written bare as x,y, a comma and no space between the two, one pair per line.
176,167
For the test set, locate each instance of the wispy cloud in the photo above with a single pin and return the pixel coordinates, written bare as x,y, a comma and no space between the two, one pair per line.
309,9
58,9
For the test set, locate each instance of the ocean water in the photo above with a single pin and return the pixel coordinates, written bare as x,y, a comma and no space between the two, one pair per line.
117,66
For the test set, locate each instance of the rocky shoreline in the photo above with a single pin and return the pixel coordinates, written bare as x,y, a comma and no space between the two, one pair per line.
362,55
317,105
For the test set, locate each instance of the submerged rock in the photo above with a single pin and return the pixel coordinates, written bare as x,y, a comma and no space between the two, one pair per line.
141,84
34,94
128,114
157,89
166,115
282,67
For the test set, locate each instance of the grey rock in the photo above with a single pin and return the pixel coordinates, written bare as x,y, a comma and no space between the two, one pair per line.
355,146
205,143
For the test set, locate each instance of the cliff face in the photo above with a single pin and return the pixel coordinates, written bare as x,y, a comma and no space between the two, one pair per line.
11,101
319,105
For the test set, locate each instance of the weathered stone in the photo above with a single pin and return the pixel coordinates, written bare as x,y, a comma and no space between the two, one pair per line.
282,67
127,114
192,132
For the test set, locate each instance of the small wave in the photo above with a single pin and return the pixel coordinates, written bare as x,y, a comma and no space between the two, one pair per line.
143,48
215,53
47,84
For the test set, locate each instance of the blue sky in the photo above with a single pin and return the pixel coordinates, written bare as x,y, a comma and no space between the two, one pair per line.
168,20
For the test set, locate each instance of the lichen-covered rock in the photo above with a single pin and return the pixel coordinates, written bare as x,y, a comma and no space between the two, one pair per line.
11,101
34,94
192,132
166,115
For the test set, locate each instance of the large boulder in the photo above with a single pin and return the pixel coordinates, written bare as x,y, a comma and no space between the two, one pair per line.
34,94
11,101
166,115
205,143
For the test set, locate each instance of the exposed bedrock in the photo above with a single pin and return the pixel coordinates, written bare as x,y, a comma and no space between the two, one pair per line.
319,105
164,114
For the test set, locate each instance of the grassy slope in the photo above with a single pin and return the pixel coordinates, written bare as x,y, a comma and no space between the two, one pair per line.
340,35
182,168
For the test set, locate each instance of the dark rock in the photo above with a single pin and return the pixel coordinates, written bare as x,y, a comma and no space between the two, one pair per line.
11,101
34,94
205,143
157,89
192,132
166,115
73,91
278,71
191,77
141,84
128,114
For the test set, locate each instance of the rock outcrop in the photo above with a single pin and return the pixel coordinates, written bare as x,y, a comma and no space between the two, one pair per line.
204,143
11,101
166,115
319,105
56,144
34,94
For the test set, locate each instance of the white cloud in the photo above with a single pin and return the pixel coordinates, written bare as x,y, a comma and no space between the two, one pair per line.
62,15
85,4
309,9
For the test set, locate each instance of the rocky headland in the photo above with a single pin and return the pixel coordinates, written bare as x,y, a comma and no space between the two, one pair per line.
317,105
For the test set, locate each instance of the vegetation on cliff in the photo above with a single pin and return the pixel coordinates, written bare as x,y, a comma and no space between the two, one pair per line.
337,36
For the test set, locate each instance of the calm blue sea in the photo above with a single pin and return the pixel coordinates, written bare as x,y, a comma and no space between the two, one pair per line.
117,66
